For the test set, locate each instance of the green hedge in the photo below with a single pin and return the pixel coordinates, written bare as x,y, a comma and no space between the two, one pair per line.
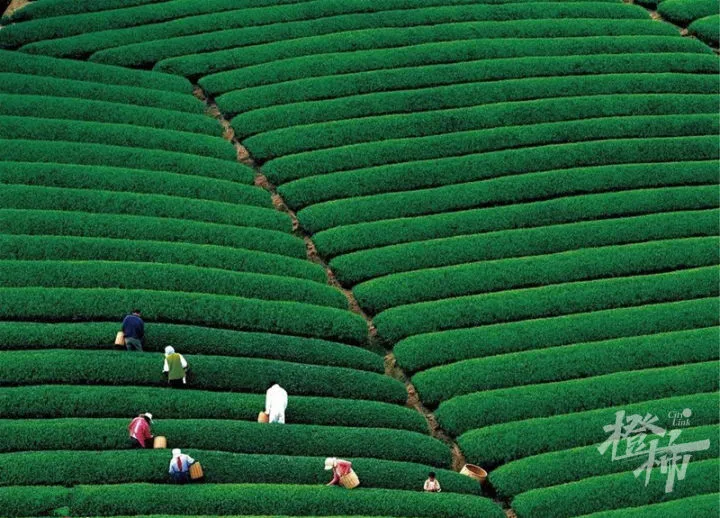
53,401
132,180
27,84
348,16
506,442
211,62
567,362
329,118
49,107
267,499
706,30
293,318
68,248
120,226
561,299
464,49
123,135
55,151
616,491
261,90
671,222
72,468
435,173
67,69
561,467
684,12
207,373
423,351
489,276
480,409
419,214
166,277
231,436
153,205
703,506
37,500
194,340
48,8
456,132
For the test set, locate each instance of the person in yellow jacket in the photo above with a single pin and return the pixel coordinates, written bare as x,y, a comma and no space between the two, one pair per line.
175,367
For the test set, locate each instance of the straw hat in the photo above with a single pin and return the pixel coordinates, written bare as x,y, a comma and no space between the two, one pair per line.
330,463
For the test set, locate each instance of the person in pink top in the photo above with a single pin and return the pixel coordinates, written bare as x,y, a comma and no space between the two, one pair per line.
139,428
339,467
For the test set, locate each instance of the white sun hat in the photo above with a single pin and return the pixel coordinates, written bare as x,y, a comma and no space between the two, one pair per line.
330,463
176,452
148,415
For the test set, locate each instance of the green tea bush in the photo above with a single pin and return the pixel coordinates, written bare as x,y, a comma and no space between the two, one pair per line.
122,135
435,173
120,226
387,38
49,8
671,222
566,466
18,62
232,436
207,373
506,442
338,17
702,506
705,29
561,299
132,180
480,409
489,276
423,351
166,277
69,248
293,318
451,132
35,500
27,84
464,50
57,151
223,499
53,401
154,205
194,340
568,362
49,107
420,214
616,491
73,468
684,12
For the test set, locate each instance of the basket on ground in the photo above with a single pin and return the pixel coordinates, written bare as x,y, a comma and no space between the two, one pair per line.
263,417
473,471
159,442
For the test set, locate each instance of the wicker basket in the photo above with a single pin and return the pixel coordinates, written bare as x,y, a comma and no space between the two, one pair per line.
196,471
473,471
120,338
159,442
263,417
350,480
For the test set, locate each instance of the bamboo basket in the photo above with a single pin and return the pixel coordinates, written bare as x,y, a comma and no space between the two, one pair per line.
350,480
263,417
159,442
120,338
473,471
196,471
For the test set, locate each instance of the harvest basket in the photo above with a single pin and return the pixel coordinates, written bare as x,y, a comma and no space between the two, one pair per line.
263,417
473,471
350,480
120,338
196,471
159,442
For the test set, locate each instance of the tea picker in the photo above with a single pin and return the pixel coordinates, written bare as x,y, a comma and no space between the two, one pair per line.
139,428
343,473
175,367
184,468
133,332
432,485
276,400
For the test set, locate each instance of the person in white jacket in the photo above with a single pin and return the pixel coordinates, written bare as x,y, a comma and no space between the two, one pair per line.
276,400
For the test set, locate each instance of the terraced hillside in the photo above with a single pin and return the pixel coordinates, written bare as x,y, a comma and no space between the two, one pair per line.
521,197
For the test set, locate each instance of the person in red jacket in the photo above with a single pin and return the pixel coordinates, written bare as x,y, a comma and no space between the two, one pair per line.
339,467
139,428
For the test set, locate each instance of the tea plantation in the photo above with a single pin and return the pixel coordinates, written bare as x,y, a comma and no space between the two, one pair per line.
454,231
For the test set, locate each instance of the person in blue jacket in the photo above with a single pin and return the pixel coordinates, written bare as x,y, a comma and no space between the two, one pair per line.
134,329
